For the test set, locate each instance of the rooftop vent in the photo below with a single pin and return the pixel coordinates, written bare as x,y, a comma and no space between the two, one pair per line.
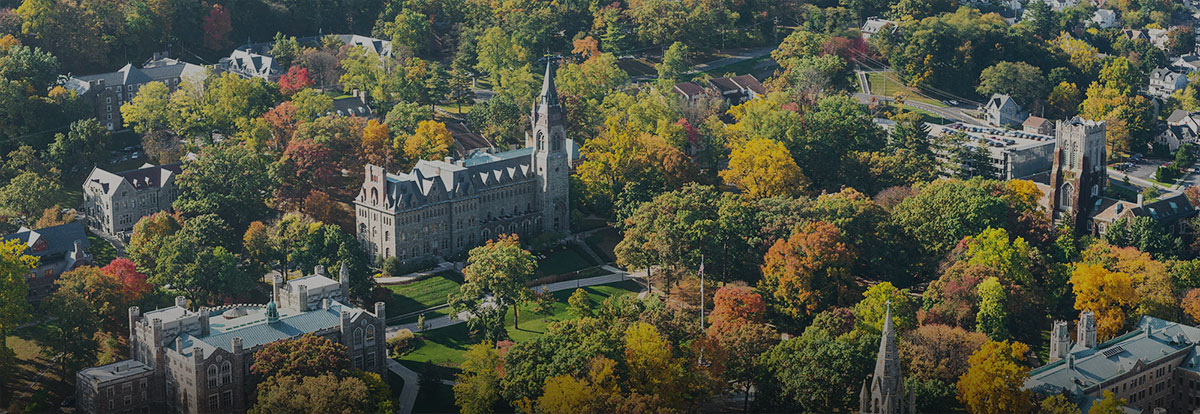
1110,352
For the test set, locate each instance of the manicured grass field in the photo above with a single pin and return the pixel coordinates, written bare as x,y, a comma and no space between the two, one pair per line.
422,294
445,346
739,68
886,84
565,260
27,344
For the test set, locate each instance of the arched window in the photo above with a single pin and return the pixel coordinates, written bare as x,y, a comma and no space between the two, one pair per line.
557,144
226,372
1095,190
387,236
358,338
213,380
362,228
370,335
1066,197
375,195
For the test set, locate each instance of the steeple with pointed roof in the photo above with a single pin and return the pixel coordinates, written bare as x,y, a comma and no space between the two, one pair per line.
885,394
548,138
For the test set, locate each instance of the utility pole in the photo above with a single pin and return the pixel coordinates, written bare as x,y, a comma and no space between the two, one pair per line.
701,292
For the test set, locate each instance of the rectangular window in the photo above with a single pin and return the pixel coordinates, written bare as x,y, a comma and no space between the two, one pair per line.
358,361
370,360
128,400
213,401
227,399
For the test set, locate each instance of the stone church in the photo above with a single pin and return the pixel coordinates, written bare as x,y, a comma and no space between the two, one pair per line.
444,208
884,392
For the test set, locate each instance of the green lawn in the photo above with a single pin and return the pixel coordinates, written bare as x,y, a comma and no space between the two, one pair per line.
604,242
436,313
564,260
739,68
454,109
27,344
102,251
422,294
445,346
882,83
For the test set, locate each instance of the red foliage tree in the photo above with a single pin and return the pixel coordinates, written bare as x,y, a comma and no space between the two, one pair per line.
282,119
737,304
306,164
217,26
133,282
296,79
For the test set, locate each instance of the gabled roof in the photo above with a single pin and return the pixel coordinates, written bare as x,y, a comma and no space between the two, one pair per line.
1036,122
148,176
1168,209
1178,115
1000,101
688,89
56,240
254,329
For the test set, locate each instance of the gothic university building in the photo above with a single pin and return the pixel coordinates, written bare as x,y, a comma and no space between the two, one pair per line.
444,208
197,361
884,392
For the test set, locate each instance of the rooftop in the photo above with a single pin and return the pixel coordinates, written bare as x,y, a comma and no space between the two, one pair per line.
50,240
116,370
254,330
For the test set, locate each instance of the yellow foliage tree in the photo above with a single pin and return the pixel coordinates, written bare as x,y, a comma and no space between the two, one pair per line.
764,168
430,141
652,368
377,143
1108,294
1023,195
1110,404
995,381
566,394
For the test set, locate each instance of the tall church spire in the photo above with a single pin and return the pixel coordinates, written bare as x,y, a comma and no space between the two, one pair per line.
886,393
549,95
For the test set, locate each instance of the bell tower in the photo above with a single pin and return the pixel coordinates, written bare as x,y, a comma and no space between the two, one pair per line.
550,159
1078,177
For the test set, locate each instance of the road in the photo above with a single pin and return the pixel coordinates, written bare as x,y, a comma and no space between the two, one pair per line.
732,59
951,113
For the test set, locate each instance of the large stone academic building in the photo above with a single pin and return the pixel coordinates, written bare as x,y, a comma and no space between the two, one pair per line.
198,361
444,208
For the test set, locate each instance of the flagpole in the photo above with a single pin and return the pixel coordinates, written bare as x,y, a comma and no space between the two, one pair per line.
702,292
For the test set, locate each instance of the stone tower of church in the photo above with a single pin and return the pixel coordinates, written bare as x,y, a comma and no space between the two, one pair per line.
1078,177
550,158
885,394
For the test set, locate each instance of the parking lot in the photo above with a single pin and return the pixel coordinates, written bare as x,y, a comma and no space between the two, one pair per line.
1144,169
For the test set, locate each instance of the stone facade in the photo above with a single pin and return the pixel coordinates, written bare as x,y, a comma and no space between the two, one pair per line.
106,92
1078,177
199,360
114,202
444,208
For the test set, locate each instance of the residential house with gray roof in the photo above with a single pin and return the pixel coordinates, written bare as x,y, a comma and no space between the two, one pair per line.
1164,82
114,202
1155,367
1003,110
58,249
199,359
105,92
254,60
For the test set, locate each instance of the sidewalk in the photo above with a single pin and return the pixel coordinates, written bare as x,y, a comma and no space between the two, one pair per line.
396,280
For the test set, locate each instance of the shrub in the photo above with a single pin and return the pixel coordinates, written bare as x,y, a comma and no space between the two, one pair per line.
403,343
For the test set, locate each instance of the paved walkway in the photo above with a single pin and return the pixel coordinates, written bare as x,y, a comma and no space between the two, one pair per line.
396,280
408,395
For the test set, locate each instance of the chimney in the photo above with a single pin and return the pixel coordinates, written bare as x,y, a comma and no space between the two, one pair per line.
1146,329
198,355
278,283
1071,361
449,160
325,304
203,321
237,345
320,270
380,311
1141,200
181,301
178,344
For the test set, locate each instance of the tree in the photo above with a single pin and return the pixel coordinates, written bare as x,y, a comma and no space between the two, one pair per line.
870,311
217,26
936,356
80,148
809,271
498,50
1110,404
734,304
377,144
133,283
1191,303
1186,156
1020,80
1065,98
324,393
149,235
410,29
285,50
817,372
101,292
308,356
477,386
207,274
29,194
944,211
764,168
294,80
1181,40
992,316
674,65
578,305
430,141
1110,295
206,187
71,336
311,104
995,381
14,306
500,268
653,370
1058,403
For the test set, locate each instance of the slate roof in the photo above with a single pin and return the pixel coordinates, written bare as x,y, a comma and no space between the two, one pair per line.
1178,115
350,106
1115,357
1035,121
152,71
59,239
1169,209
148,176
688,89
